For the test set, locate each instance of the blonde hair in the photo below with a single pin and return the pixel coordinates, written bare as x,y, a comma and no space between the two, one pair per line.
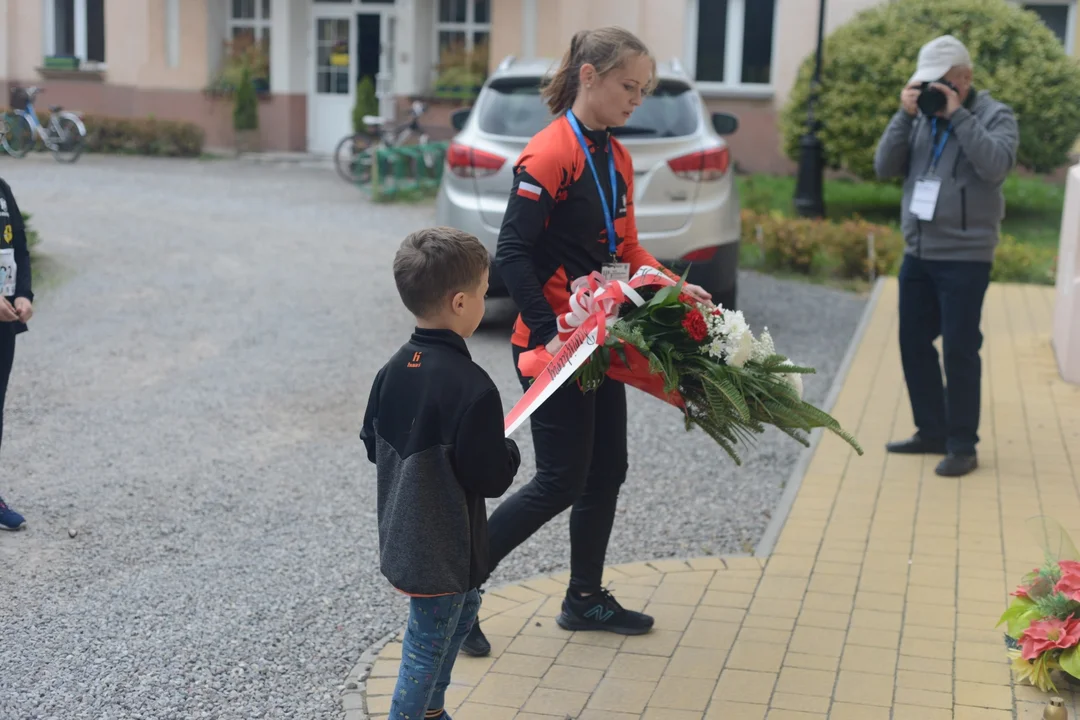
605,49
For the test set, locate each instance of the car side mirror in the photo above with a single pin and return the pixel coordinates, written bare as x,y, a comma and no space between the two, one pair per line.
459,117
725,123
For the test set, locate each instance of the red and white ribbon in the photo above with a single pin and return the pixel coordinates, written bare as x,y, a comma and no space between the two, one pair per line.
594,304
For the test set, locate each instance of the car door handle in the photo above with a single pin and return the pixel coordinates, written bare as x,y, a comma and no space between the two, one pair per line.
678,196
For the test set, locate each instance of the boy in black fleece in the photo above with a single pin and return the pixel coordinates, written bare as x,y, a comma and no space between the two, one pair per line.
434,429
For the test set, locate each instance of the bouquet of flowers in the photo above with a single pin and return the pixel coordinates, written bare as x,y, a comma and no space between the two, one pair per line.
1043,620
700,358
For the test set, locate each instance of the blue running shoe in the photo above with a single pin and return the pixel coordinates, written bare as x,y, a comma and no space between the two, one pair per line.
9,519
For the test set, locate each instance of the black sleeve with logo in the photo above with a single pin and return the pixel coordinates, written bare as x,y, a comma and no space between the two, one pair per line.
526,218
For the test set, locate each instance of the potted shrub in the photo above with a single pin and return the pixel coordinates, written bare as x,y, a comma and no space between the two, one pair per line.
246,115
461,73
366,104
242,54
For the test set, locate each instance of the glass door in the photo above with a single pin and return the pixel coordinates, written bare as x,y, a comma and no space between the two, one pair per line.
333,81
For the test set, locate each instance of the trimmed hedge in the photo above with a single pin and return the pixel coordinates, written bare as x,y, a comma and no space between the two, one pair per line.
139,136
868,61
773,242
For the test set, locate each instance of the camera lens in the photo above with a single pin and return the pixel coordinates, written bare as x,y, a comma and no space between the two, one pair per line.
931,101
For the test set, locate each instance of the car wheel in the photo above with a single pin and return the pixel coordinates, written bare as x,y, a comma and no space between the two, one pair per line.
719,275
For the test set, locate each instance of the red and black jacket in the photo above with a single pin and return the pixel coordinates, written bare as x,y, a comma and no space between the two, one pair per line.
554,231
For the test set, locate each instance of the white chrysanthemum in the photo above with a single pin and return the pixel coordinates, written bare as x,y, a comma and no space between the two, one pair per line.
740,348
794,380
763,347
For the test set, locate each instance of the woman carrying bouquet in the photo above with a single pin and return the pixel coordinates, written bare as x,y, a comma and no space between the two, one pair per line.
571,213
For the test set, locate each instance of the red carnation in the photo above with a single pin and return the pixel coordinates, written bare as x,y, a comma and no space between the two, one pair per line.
695,326
687,300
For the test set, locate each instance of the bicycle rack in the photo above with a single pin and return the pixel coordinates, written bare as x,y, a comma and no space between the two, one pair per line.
403,170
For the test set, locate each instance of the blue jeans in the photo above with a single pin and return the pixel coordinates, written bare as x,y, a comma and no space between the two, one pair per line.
939,297
437,627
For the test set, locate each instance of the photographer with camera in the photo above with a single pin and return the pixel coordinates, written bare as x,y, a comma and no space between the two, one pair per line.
954,147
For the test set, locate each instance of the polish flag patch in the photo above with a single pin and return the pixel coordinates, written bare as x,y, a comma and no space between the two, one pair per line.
528,190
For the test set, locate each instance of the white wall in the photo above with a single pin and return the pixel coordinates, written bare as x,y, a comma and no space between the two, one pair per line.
796,35
5,30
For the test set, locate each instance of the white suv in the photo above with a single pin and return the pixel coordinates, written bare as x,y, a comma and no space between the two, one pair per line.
685,198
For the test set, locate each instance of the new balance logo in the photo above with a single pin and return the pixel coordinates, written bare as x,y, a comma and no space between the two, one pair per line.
415,360
599,613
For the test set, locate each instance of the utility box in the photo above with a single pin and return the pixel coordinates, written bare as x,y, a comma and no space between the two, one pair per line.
1066,337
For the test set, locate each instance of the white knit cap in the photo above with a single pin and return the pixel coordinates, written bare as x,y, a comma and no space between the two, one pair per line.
939,56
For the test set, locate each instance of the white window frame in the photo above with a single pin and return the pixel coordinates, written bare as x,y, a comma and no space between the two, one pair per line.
470,27
1070,29
49,27
256,24
732,85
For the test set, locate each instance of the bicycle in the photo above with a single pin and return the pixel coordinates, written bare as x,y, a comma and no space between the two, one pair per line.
355,155
65,135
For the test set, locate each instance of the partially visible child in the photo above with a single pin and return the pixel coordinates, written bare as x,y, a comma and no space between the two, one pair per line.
434,429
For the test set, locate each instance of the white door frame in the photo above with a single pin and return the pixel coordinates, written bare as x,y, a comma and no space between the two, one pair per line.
385,80
327,11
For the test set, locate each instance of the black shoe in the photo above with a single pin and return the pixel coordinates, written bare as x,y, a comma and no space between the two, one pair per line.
601,611
475,644
917,445
957,465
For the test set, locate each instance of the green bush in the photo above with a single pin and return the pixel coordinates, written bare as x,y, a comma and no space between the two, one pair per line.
246,109
869,60
139,136
773,242
32,236
820,247
1019,262
366,103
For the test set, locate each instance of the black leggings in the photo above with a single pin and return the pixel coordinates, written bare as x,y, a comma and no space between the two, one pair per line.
7,356
580,441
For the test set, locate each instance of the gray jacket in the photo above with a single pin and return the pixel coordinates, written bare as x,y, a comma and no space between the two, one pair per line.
978,156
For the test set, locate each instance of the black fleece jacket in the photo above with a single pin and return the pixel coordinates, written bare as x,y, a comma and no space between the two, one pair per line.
434,429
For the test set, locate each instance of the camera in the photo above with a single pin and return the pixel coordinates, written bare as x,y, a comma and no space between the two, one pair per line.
931,100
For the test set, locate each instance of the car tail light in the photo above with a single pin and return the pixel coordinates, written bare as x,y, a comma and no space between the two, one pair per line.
703,255
468,162
706,165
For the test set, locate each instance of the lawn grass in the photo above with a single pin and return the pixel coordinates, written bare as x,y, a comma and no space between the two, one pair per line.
1033,205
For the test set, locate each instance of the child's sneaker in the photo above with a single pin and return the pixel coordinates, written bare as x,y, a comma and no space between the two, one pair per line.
601,611
9,519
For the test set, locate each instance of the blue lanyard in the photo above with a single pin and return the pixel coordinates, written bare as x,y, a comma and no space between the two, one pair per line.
940,146
612,247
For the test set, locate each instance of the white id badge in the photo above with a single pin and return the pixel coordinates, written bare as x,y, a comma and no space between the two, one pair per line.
616,271
924,198
7,272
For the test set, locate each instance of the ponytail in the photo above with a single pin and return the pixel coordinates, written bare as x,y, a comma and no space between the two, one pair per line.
560,91
605,49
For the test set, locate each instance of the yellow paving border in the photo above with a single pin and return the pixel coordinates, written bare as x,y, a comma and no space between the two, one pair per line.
878,600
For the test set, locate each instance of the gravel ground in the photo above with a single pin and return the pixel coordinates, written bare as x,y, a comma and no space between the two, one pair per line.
187,404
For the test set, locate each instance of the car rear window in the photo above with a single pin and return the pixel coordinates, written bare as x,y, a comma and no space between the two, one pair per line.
512,107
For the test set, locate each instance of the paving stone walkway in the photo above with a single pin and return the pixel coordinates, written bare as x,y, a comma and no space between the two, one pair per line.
878,600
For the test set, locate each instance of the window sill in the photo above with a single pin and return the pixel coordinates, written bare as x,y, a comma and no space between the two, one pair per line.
747,92
81,75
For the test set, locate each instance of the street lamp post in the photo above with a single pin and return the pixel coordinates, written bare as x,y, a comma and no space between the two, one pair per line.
809,200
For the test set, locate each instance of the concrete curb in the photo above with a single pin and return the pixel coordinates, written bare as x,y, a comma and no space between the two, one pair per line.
791,490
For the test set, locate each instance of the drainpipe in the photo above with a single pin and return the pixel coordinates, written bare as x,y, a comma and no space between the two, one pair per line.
528,28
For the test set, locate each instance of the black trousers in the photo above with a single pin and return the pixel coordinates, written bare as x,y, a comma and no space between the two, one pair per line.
580,441
7,356
943,298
